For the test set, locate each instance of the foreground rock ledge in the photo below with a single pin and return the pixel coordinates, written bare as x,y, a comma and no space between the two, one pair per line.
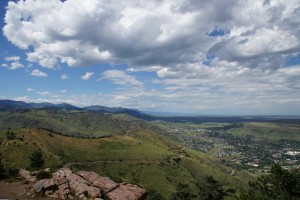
82,185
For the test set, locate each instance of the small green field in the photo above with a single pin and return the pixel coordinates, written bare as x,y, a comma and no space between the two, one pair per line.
206,125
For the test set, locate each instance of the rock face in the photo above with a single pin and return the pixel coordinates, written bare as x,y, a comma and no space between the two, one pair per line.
126,192
105,183
63,173
26,175
88,176
83,185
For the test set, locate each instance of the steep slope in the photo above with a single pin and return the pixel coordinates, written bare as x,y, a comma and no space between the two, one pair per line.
144,158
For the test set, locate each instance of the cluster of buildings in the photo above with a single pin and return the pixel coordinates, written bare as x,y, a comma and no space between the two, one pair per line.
243,152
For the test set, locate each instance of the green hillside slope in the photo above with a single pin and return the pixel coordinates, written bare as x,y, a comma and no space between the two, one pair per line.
71,123
274,131
144,158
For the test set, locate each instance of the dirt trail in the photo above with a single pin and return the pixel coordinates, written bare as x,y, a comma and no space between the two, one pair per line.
115,161
16,190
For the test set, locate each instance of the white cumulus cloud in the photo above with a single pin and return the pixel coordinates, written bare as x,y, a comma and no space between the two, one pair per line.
64,77
29,89
207,53
16,65
120,77
13,62
12,58
150,33
38,73
87,75
13,66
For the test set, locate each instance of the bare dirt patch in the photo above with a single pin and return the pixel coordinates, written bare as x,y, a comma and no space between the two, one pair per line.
16,190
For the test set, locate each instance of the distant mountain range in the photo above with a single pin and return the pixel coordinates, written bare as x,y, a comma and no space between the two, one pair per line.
119,110
11,105
8,105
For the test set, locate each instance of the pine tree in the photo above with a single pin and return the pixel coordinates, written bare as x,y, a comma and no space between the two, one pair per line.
36,160
2,170
212,189
152,195
280,184
182,193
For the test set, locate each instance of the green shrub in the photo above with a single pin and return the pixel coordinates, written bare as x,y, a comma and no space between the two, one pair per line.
280,184
43,175
153,195
8,172
11,172
183,192
2,170
212,189
36,160
10,135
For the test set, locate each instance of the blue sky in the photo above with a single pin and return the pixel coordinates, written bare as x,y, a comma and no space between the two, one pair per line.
199,57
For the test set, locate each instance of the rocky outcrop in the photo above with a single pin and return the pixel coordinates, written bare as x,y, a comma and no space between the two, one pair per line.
105,183
126,191
62,173
26,175
83,185
88,176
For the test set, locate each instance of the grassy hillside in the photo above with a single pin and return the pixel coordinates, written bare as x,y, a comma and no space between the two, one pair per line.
273,131
144,158
71,123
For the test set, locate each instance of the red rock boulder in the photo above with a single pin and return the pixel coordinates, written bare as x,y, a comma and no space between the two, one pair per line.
126,191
